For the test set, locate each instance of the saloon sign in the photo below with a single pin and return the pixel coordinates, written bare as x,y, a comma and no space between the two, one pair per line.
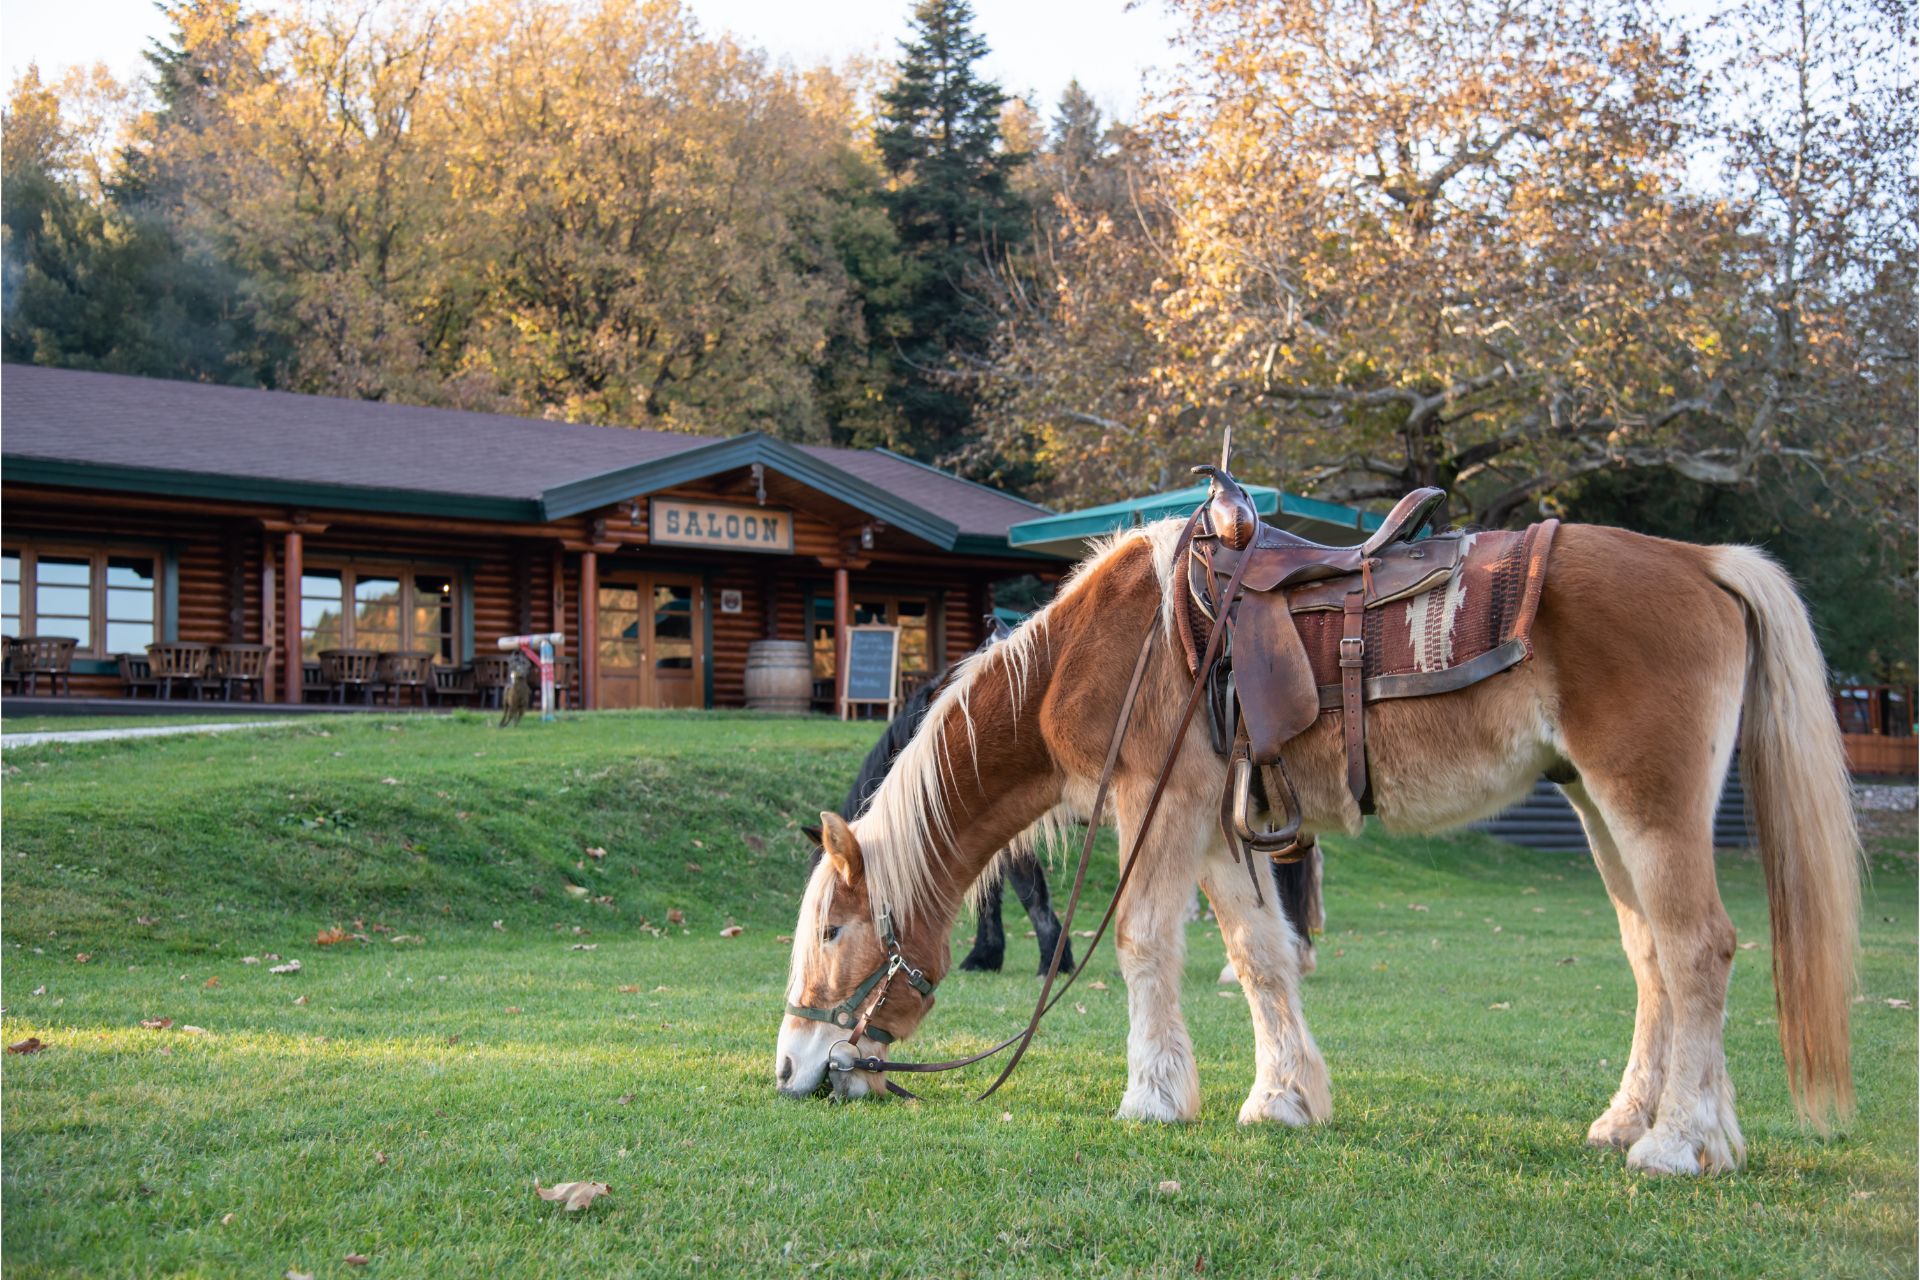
682,522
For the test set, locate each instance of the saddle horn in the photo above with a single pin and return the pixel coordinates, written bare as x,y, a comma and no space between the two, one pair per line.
1230,512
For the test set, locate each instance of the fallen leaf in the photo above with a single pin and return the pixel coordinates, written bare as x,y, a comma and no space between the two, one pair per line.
291,966
149,921
453,1039
1083,933
192,1030
1503,1004
676,916
357,1259
249,959
32,1044
574,1195
1006,1116
328,937
626,1099
1168,1187
226,1219
754,843
698,845
1078,1007
500,925
1096,986
40,990
211,982
297,1275
584,946
596,853
379,1157
156,1024
1895,1002
1748,946
695,868
1417,906
577,891
414,938
389,782
783,937
732,931
1568,960
82,957
629,989
301,1000
514,1008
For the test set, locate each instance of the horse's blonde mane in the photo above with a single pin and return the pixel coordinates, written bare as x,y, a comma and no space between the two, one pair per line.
908,815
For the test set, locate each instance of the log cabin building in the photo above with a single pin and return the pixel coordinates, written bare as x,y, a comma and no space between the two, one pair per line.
139,511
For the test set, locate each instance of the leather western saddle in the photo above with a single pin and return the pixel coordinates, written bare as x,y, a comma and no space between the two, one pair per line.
1264,693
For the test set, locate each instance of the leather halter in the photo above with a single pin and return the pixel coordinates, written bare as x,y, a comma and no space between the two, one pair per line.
851,1060
847,1015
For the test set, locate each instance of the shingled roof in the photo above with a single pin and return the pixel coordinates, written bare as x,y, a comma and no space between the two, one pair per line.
63,426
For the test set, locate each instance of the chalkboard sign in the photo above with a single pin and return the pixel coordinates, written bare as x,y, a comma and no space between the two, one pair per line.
873,665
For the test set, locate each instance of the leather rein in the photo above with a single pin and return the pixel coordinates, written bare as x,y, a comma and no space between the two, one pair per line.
844,1055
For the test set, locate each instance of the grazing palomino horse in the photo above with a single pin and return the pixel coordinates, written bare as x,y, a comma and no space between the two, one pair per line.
1648,660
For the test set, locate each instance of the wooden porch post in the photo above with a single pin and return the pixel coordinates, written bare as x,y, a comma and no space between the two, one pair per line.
293,681
589,629
841,612
268,634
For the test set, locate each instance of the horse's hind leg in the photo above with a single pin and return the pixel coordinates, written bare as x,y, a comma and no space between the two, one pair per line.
1290,1077
1631,1112
1029,881
1675,912
989,936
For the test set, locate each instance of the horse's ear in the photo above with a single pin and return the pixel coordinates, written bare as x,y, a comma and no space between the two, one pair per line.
813,837
836,837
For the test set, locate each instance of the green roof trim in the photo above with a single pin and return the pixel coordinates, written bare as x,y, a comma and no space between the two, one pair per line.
1111,517
706,460
1308,516
199,484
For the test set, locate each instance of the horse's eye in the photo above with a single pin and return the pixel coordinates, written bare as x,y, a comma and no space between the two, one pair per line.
833,931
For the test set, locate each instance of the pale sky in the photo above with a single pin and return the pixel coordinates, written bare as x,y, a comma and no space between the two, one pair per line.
1038,45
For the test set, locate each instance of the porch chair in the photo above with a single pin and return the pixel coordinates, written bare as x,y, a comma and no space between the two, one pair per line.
244,665
182,660
136,672
348,669
408,669
50,656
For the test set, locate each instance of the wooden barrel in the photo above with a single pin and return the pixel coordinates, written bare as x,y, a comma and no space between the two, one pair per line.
780,676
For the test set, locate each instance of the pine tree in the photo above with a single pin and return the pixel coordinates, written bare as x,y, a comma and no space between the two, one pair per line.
954,210
1079,141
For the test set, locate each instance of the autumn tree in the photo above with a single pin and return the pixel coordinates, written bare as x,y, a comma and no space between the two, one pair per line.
954,210
1457,244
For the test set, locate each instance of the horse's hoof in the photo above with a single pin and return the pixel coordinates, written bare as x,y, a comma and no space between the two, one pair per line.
977,963
1288,1106
1228,978
1046,959
1154,1108
1658,1152
1618,1128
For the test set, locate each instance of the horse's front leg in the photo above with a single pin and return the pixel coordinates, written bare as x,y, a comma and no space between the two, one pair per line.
1290,1077
1150,938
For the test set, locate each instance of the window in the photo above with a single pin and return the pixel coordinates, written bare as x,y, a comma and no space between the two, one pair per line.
377,607
912,614
105,601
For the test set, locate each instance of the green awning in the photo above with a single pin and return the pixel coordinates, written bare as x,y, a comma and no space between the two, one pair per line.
1067,534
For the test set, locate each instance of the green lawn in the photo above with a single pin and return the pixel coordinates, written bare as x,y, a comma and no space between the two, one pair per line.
85,724
405,1110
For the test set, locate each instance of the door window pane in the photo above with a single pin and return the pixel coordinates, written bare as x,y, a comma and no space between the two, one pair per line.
914,646
618,641
433,616
320,613
672,628
376,613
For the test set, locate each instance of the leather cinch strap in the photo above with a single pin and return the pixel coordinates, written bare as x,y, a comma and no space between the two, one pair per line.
1353,702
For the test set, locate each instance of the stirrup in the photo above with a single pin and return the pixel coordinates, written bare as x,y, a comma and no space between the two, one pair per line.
1277,841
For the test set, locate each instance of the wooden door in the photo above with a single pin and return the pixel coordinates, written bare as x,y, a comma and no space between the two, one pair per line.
676,648
622,647
651,645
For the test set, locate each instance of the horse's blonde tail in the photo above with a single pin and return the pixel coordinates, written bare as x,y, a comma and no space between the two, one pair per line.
1794,767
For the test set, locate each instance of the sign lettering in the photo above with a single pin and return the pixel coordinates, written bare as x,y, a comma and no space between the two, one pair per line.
688,522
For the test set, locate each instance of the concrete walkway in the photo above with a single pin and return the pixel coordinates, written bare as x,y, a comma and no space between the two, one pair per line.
106,735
